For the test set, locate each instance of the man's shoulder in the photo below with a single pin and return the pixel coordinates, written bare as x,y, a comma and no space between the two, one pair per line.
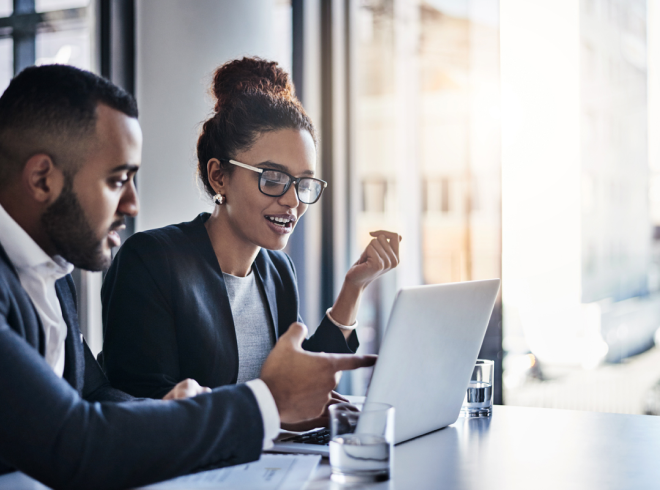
5,287
9,282
6,266
15,304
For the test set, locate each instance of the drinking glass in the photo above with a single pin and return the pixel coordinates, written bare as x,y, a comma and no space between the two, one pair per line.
362,441
478,400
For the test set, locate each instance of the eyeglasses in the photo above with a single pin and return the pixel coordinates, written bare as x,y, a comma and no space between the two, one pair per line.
275,183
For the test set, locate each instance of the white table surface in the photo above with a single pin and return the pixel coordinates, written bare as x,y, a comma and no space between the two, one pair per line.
528,448
516,448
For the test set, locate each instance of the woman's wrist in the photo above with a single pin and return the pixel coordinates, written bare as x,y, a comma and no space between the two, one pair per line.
352,290
341,326
344,311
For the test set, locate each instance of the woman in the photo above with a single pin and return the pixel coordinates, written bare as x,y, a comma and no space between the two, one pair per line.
207,299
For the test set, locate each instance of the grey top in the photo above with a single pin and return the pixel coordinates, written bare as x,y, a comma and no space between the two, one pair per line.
255,334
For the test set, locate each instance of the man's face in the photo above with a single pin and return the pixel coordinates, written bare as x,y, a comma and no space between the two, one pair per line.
83,221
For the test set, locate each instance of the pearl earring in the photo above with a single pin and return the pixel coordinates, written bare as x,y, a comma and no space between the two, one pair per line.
218,198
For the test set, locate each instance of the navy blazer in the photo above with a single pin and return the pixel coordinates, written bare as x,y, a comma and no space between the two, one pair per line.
166,313
78,432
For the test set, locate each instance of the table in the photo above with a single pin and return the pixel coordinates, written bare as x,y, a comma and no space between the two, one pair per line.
516,448
528,448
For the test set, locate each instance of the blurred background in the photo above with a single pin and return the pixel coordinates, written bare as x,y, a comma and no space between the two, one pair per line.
502,138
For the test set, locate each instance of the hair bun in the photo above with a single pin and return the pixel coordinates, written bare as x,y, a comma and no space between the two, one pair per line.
250,75
254,96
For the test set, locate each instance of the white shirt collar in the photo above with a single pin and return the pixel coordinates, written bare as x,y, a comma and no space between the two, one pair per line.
23,251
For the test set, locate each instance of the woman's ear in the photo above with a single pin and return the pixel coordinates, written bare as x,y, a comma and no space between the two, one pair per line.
217,175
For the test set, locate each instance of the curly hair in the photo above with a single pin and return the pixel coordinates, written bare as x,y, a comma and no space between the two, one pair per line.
253,96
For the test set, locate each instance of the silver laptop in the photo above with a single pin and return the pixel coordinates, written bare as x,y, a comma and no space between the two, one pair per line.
431,343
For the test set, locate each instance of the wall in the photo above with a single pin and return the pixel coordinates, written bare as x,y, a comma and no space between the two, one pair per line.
179,44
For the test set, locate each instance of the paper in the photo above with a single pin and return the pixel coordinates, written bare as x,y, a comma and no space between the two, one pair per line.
271,472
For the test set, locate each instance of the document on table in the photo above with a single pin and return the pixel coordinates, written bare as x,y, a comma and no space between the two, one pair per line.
271,472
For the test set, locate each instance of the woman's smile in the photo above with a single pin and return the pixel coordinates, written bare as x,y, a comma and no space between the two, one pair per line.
281,223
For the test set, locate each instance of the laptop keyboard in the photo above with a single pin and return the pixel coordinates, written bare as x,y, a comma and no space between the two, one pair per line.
320,437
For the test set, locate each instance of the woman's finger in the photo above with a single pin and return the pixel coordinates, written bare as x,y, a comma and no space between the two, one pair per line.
394,259
382,254
394,245
393,238
370,255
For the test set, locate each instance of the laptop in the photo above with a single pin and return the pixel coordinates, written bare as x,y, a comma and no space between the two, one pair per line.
431,343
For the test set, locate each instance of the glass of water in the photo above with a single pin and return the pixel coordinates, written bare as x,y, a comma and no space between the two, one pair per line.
362,441
478,400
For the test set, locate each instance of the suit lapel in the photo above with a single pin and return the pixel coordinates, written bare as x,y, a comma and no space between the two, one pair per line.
74,364
264,273
227,342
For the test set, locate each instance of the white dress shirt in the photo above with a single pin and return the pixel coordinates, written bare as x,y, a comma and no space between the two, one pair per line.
38,272
269,413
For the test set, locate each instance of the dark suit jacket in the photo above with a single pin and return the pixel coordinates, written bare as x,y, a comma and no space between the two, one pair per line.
78,432
166,312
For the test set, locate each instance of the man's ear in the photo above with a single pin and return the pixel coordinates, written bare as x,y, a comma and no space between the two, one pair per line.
217,175
42,179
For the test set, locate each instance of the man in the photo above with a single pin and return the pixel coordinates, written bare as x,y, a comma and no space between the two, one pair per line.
70,146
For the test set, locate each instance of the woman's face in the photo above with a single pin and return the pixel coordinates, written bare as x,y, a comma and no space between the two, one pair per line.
251,214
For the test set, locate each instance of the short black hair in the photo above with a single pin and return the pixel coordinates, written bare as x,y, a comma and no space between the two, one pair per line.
46,107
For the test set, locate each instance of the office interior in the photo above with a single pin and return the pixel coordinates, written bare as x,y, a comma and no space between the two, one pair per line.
501,138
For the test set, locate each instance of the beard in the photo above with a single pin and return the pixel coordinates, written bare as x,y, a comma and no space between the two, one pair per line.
70,233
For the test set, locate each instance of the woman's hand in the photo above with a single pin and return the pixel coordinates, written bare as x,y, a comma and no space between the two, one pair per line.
322,421
186,389
380,256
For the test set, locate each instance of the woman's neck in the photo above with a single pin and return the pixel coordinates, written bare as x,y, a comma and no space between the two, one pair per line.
234,253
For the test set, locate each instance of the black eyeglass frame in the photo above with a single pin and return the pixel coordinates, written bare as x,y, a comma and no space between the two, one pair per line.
292,180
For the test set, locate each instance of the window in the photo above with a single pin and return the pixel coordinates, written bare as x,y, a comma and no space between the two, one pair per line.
580,259
436,195
6,62
426,137
374,195
45,31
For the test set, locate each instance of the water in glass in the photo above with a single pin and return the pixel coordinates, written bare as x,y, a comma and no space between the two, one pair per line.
478,399
359,458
